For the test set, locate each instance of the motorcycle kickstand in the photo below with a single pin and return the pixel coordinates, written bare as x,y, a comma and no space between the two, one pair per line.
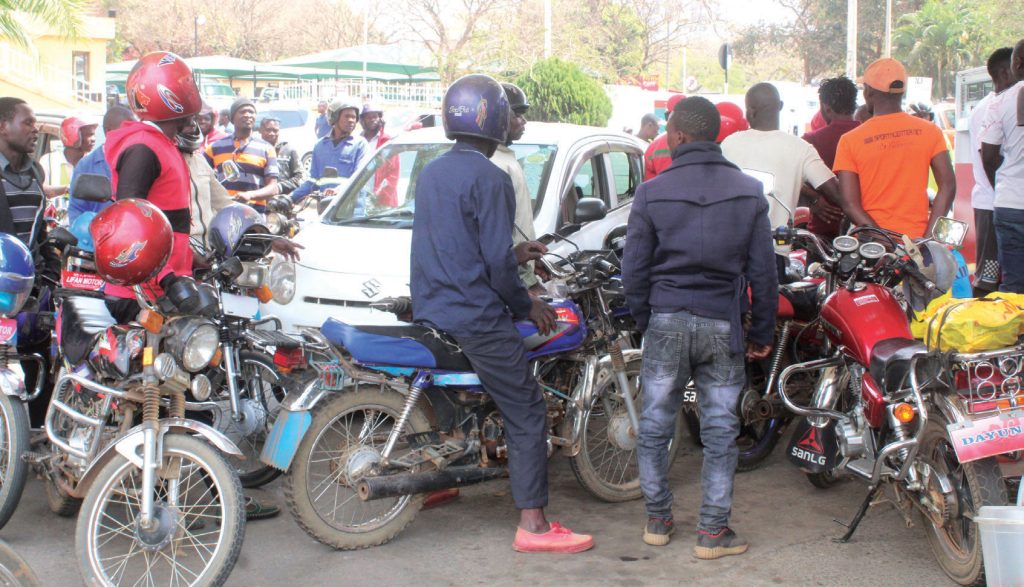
858,517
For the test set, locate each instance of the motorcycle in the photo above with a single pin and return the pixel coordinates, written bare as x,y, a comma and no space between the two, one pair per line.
358,463
158,501
892,413
284,216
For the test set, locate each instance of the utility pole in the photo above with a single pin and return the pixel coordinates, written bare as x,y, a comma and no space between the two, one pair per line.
887,52
851,39
547,29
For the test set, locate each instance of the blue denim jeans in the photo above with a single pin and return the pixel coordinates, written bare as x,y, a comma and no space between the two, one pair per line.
678,347
1009,223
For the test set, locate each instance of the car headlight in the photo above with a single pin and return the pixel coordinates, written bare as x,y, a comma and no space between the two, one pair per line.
193,342
282,280
274,222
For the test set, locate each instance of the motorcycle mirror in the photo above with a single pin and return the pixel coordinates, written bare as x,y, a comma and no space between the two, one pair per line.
329,172
62,238
230,171
801,216
92,187
950,232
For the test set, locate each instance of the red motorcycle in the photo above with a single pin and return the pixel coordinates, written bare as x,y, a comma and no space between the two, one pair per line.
890,412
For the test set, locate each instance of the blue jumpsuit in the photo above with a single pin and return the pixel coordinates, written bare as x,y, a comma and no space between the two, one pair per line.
465,282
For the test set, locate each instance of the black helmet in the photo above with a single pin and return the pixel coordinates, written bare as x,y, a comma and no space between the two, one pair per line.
476,106
615,240
516,98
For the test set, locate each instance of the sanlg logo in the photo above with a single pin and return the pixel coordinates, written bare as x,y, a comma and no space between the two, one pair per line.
128,255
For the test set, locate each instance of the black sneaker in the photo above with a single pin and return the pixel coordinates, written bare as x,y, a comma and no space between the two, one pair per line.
724,542
658,531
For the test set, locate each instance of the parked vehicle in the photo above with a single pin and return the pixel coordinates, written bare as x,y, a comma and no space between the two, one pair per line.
358,250
298,128
359,459
891,413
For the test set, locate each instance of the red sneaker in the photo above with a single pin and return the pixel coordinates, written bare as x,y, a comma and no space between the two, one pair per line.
558,539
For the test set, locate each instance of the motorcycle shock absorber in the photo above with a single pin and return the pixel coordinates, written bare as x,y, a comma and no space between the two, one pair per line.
625,388
422,381
777,354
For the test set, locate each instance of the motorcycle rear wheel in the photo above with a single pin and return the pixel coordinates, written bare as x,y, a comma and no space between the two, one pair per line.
325,504
203,527
607,470
956,544
14,441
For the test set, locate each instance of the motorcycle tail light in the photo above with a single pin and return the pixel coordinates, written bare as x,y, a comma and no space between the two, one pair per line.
288,359
903,412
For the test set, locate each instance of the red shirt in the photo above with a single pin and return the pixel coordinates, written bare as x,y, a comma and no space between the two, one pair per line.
658,156
825,140
385,181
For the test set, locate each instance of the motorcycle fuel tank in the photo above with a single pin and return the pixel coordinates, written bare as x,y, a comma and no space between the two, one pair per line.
860,319
569,333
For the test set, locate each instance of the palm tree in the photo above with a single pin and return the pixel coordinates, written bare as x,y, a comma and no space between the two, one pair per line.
62,15
938,40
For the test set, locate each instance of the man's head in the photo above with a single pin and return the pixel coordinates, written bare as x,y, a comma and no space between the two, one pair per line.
224,117
342,114
694,119
207,119
475,111
519,104
838,98
18,132
648,127
371,119
998,66
1017,61
321,106
115,116
78,137
885,81
243,114
270,129
764,105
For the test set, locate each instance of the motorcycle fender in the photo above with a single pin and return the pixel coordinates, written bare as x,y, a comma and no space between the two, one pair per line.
129,444
284,438
813,449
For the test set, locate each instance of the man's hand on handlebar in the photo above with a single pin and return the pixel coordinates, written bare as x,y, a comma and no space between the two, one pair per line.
529,251
286,248
543,316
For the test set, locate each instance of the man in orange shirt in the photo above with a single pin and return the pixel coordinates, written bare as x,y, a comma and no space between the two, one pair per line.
883,164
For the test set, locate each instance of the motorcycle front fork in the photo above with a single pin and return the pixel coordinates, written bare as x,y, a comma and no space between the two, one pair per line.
230,375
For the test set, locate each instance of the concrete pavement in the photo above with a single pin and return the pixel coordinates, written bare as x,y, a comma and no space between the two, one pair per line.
468,542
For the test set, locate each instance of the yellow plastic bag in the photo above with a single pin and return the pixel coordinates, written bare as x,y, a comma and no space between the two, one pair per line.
971,326
919,325
1015,298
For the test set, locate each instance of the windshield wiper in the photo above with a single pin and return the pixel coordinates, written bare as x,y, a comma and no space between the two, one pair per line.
400,214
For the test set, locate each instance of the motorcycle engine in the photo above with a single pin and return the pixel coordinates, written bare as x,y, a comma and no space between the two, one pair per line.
492,435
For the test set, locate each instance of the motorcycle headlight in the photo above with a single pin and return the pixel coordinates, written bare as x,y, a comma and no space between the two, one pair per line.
253,275
282,280
193,342
274,222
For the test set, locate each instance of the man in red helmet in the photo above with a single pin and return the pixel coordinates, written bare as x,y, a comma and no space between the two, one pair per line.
658,156
145,161
78,137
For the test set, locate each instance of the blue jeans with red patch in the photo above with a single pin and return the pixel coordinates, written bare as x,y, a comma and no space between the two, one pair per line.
678,347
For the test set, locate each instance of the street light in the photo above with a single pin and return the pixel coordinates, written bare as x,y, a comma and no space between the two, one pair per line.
199,20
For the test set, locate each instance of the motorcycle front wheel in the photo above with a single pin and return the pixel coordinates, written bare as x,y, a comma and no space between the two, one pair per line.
607,464
14,441
344,442
953,535
199,520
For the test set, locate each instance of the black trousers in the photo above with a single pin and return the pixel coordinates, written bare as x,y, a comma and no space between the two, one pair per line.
499,359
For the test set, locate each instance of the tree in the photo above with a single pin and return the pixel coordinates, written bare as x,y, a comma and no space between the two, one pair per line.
939,40
62,15
561,92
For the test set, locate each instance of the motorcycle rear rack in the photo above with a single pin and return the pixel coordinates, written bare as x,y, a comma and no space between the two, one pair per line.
994,380
271,338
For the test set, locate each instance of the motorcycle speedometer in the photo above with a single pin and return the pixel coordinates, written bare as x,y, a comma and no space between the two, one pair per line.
872,251
845,244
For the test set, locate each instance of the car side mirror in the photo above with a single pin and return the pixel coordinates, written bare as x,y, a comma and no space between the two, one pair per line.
92,187
590,209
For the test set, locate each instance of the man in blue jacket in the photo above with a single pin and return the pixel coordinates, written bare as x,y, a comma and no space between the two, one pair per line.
464,280
95,163
698,237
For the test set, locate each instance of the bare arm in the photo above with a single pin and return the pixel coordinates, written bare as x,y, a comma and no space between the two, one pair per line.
849,189
991,159
942,167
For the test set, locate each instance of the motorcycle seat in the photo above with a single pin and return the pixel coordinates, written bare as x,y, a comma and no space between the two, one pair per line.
81,319
400,345
803,295
890,361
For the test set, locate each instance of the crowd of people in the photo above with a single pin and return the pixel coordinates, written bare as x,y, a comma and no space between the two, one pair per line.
699,231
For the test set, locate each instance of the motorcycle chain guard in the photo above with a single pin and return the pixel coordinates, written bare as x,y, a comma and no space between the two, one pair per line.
813,449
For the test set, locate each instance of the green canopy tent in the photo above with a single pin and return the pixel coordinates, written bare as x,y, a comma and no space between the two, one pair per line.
373,59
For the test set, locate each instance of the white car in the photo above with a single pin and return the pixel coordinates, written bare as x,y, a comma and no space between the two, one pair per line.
298,127
357,251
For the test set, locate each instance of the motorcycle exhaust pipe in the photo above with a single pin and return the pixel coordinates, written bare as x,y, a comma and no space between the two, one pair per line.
385,486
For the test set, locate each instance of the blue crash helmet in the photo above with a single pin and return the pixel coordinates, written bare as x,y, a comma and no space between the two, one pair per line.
475,105
17,274
229,226
80,228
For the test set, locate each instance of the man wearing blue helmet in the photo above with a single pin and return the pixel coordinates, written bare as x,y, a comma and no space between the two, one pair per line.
465,282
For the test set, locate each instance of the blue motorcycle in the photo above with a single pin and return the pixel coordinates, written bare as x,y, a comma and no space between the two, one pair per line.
396,412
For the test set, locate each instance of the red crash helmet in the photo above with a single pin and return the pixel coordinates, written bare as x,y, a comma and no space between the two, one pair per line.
132,241
161,87
71,131
733,120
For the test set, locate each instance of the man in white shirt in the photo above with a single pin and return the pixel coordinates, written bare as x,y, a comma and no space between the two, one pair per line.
986,273
1002,154
792,161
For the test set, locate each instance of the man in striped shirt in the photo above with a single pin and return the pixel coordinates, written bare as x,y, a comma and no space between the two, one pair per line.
256,160
21,178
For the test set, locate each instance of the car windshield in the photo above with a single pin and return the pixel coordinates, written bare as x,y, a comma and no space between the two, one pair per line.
288,118
218,90
383,194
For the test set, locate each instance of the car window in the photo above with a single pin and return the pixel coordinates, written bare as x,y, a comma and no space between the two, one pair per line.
536,161
587,183
218,90
288,118
627,174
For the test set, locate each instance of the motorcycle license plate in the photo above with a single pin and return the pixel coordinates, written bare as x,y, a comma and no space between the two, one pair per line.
988,437
79,280
8,331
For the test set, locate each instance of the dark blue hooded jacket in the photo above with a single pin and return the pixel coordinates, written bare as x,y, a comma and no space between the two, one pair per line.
698,235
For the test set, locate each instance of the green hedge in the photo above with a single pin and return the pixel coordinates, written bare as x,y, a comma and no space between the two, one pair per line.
559,91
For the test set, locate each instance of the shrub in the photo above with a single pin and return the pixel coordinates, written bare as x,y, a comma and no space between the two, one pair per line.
559,91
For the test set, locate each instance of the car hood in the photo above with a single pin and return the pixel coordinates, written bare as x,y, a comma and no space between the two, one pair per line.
355,250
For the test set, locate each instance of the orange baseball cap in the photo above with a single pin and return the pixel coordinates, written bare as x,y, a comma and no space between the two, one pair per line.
885,75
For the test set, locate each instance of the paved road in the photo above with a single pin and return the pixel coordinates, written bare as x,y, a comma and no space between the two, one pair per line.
787,521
